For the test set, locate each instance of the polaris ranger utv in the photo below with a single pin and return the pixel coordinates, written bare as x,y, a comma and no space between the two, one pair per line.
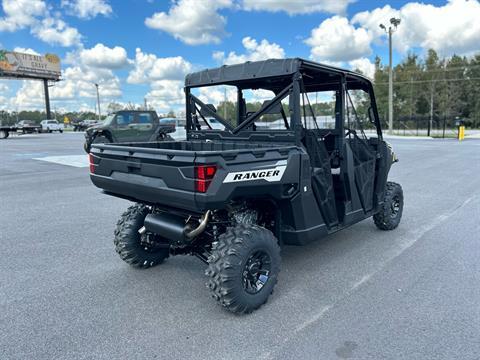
289,170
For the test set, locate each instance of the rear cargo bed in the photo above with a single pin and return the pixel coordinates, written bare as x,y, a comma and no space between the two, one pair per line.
164,172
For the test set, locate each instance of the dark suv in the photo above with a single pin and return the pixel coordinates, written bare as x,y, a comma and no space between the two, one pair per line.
127,126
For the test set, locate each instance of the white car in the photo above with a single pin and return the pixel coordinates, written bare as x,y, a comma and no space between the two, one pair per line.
51,125
215,124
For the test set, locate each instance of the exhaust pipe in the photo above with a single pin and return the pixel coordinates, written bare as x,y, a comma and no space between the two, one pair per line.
173,227
199,229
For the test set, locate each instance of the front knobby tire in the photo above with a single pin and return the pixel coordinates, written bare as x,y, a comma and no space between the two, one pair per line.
243,268
391,210
100,139
128,242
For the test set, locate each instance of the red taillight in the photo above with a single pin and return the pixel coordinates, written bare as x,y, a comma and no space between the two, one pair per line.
203,177
92,165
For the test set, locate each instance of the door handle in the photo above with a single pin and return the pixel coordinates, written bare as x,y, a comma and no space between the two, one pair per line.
134,165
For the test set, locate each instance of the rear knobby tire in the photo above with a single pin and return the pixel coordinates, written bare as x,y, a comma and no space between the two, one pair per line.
231,256
391,210
128,241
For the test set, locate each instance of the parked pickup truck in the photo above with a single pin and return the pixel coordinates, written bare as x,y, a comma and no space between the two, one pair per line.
27,127
22,127
50,126
232,197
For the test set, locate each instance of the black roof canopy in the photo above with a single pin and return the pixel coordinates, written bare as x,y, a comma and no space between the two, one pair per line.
275,74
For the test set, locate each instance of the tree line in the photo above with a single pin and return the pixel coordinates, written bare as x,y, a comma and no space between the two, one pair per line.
431,90
428,91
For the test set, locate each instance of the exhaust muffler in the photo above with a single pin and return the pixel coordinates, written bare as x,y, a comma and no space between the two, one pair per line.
173,227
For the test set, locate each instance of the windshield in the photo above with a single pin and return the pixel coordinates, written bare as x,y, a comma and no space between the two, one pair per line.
108,120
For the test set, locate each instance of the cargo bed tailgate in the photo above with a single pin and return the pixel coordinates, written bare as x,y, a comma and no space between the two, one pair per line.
148,175
157,174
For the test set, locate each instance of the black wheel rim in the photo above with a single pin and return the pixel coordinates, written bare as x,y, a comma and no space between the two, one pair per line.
395,207
256,271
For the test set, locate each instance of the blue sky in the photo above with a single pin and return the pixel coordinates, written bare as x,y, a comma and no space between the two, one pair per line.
97,39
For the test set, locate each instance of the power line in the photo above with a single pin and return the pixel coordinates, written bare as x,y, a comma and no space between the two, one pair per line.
426,81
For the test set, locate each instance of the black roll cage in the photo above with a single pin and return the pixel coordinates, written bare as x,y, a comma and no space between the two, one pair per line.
300,80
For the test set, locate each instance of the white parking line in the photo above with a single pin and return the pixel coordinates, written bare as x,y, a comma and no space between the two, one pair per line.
78,161
405,243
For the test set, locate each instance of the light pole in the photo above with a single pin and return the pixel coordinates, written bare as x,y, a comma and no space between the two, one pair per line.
98,102
391,29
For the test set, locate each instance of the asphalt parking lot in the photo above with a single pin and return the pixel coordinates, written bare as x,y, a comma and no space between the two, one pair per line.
412,293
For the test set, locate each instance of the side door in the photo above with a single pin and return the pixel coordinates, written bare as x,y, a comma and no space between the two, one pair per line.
359,130
145,126
124,128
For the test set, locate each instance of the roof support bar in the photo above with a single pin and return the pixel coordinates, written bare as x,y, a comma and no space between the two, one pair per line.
282,94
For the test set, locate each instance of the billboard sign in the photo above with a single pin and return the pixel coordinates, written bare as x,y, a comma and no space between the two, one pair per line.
14,64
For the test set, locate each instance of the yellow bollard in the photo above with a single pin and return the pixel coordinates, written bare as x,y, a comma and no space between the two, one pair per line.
461,132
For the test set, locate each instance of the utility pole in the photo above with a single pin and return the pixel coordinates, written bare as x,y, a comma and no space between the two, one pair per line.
98,103
47,99
391,29
225,103
430,123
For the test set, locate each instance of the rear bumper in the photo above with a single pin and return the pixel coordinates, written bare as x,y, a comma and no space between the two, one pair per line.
146,190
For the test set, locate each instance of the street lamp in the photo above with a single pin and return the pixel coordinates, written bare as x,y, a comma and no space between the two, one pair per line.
390,30
98,102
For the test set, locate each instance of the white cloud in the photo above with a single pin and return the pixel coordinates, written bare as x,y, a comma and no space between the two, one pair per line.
255,51
149,68
293,7
20,14
166,95
87,9
364,65
84,78
335,39
31,94
370,20
35,14
191,21
76,85
56,32
3,87
451,28
165,76
216,94
3,103
25,51
101,56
